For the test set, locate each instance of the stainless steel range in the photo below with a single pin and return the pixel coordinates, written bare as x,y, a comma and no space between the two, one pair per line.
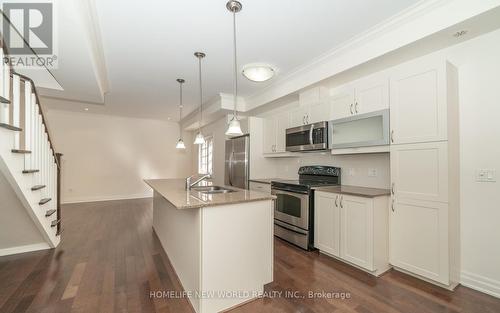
294,205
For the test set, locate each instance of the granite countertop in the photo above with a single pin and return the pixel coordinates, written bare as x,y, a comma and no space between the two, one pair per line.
173,190
264,180
355,191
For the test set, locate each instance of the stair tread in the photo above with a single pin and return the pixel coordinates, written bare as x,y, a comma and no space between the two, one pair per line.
20,151
44,200
50,212
10,127
4,100
54,223
38,187
30,171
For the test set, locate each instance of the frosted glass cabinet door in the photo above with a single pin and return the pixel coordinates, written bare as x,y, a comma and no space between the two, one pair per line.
418,102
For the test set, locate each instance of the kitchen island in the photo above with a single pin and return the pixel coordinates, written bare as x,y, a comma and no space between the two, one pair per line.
219,243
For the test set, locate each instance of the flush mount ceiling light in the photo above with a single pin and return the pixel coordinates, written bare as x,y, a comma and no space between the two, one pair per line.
258,72
180,142
234,128
199,139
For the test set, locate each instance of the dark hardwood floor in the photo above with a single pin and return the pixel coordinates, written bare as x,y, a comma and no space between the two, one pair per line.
109,260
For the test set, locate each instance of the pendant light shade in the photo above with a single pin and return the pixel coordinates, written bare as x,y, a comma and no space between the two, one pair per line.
180,143
199,139
234,127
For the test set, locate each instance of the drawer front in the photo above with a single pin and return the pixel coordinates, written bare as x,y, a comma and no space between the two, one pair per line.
260,187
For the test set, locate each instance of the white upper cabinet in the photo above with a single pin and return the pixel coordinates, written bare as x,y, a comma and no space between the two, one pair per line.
319,112
281,126
274,133
299,116
419,101
269,135
371,93
341,102
327,223
365,95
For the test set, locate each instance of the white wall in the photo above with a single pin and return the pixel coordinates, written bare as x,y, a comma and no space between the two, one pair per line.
18,233
216,130
479,82
107,157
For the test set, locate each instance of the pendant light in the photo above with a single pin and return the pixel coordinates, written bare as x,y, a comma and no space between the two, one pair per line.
199,139
180,143
234,128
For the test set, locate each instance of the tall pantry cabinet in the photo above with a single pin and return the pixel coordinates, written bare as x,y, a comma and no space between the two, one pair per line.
424,210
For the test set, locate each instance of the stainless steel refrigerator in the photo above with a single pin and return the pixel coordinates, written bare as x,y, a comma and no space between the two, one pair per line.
237,170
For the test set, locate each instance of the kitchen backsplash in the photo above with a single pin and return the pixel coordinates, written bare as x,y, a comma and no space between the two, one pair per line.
367,170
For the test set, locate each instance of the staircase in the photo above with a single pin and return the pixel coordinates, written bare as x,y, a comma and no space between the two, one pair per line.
28,160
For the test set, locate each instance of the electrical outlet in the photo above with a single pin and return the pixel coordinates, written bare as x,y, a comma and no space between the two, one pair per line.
485,175
372,172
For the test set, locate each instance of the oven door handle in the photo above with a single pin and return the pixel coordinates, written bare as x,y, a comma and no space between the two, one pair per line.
275,191
290,227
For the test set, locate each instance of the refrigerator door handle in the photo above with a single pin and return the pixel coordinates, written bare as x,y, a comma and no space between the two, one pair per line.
231,168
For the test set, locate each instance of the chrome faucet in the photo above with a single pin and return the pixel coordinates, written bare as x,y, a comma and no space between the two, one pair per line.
190,184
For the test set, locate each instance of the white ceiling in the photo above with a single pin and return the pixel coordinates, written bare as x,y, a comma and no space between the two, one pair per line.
147,44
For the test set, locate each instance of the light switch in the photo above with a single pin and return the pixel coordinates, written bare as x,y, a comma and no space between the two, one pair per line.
372,172
485,175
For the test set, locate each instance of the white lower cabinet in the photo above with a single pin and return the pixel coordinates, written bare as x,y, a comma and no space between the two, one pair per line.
419,238
262,187
353,229
327,223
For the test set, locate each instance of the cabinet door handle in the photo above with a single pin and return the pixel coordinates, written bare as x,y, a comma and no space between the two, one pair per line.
304,120
392,205
392,136
350,109
341,204
392,189
336,201
307,119
356,107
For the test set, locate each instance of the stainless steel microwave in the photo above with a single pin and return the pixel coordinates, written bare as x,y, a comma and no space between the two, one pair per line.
312,137
361,130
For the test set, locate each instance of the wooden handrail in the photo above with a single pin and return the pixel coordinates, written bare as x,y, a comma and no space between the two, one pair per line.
26,78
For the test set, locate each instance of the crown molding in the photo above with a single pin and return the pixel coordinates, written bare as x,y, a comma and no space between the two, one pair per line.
415,23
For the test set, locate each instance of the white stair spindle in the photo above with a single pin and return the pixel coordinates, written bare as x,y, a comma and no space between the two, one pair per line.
40,146
16,109
33,130
27,123
4,107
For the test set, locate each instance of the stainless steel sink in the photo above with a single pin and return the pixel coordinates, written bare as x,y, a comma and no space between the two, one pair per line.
213,189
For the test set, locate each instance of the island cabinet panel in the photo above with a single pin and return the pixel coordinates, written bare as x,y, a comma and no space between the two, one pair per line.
179,232
236,252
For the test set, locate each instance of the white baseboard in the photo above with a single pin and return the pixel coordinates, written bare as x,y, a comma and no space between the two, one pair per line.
109,198
23,249
480,283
